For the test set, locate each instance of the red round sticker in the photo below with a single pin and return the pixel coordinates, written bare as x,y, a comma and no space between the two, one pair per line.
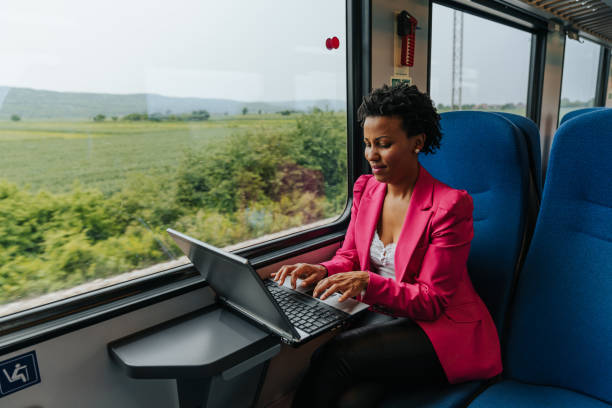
335,42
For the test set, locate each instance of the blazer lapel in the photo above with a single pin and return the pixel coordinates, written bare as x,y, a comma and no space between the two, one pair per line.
369,212
415,223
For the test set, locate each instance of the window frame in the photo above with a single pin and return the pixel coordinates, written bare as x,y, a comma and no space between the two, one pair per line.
28,327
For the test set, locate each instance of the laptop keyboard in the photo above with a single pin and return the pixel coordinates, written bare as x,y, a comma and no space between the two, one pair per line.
304,312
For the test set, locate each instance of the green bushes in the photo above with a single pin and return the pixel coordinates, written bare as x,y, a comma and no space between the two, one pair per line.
245,186
197,116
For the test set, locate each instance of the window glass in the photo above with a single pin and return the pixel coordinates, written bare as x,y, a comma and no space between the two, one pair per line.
477,64
223,120
580,65
609,92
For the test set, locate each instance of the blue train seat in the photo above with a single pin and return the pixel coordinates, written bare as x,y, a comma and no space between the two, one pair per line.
532,135
559,348
572,114
486,155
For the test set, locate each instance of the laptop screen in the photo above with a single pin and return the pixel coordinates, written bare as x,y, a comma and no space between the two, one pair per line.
234,280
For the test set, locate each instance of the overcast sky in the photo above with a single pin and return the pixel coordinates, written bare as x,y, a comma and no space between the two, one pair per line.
244,50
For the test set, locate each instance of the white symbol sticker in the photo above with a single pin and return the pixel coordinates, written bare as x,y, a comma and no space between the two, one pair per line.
19,373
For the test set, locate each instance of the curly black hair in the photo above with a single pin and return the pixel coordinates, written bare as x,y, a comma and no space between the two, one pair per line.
415,108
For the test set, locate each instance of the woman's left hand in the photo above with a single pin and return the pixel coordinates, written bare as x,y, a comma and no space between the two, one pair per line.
349,283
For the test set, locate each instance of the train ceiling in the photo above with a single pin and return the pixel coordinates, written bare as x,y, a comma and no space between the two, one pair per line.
591,16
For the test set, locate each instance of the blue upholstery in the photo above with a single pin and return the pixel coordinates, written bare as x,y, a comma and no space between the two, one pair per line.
435,397
514,394
486,155
532,134
560,334
572,114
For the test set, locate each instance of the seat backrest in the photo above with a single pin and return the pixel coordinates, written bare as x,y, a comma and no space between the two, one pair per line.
561,321
532,135
486,155
572,114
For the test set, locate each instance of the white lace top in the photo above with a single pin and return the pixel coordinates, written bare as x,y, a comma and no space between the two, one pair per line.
381,257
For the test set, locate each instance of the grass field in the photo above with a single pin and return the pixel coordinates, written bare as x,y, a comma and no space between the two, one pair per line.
52,156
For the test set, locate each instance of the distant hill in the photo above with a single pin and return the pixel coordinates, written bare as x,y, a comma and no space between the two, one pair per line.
38,104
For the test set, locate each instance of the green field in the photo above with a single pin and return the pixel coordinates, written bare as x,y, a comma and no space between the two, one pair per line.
53,155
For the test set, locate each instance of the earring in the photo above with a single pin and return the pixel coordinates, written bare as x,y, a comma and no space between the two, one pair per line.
417,150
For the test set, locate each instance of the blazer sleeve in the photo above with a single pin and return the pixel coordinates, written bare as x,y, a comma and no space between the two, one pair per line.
346,258
442,268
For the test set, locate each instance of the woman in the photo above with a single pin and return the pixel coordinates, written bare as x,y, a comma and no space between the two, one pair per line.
405,254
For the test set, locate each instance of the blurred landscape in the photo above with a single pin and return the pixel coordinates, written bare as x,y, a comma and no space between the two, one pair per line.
87,199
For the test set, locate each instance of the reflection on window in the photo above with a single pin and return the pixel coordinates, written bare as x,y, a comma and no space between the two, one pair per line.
579,75
477,64
119,120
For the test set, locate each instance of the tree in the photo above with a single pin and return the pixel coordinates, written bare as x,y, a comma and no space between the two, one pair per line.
199,115
156,117
115,118
245,110
99,118
15,118
136,116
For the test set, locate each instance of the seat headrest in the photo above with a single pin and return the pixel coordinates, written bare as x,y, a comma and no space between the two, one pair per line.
577,112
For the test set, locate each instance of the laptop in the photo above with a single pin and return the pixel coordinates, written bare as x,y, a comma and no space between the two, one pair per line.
294,315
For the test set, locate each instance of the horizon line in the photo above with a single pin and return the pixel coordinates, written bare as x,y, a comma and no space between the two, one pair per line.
162,95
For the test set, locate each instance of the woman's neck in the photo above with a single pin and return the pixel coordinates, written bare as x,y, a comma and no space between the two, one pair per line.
404,188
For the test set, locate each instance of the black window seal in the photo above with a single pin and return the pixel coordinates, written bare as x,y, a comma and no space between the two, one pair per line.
538,24
537,64
603,74
176,281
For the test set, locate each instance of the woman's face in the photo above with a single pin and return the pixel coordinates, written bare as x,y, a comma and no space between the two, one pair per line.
390,152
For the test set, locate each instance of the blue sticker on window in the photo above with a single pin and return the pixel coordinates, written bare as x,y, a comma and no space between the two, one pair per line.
18,373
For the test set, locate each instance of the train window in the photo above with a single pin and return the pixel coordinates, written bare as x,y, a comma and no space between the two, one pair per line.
478,64
223,120
579,82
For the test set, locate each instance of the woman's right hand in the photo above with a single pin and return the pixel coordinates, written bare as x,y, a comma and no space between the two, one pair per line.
310,274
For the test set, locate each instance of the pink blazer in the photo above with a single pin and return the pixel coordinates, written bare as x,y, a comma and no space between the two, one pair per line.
431,283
